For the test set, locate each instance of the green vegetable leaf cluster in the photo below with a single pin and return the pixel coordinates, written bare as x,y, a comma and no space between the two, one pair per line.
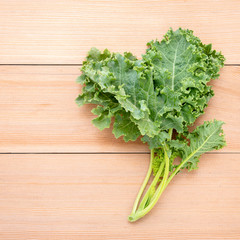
156,98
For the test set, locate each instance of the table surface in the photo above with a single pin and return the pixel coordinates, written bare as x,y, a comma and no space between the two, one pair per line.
61,178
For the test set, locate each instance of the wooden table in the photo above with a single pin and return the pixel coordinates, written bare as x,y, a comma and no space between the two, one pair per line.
61,178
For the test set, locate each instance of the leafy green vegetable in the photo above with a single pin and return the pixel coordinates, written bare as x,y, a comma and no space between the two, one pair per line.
156,98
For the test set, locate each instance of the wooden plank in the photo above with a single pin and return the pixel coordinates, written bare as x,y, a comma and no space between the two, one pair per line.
78,196
38,112
62,31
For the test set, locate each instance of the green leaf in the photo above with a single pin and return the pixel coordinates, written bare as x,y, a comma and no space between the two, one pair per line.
96,55
81,79
157,141
104,118
207,137
80,100
123,127
125,80
184,65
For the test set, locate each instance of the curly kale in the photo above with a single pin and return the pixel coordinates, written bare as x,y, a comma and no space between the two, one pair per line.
156,98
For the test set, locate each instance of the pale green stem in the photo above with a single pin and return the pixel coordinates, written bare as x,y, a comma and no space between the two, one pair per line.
144,183
178,168
161,187
170,133
153,184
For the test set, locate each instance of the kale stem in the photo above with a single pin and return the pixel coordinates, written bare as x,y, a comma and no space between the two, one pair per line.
155,180
179,167
144,183
139,214
170,133
153,184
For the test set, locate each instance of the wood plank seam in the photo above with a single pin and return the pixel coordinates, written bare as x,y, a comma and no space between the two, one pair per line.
96,153
76,64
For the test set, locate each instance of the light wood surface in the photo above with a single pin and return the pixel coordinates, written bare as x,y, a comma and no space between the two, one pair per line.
84,196
78,191
39,113
62,31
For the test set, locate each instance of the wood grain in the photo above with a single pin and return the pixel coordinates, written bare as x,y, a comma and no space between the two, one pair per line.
62,31
38,112
61,196
85,196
